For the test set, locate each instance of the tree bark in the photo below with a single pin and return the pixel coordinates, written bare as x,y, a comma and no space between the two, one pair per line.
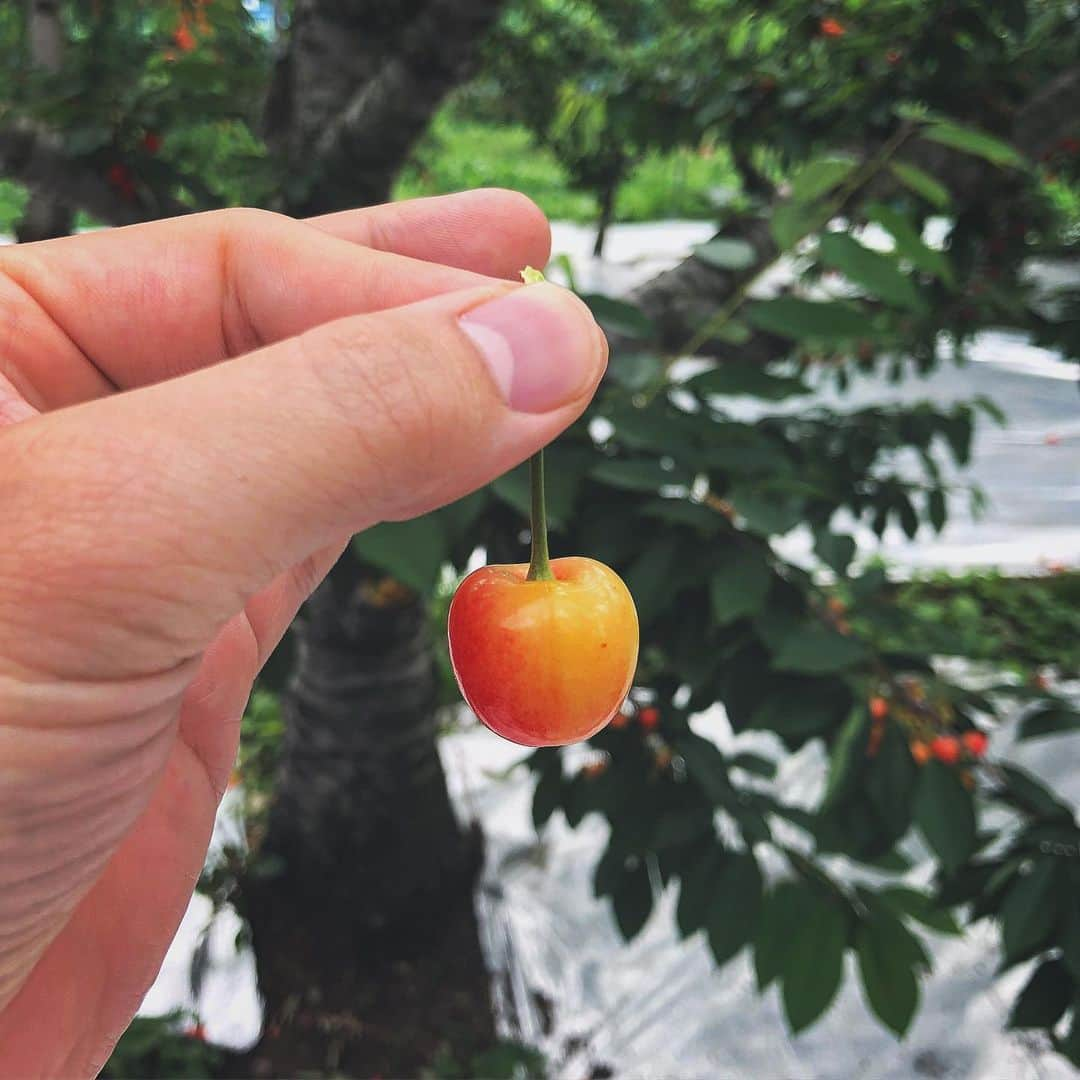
45,218
360,899
607,210
47,215
391,77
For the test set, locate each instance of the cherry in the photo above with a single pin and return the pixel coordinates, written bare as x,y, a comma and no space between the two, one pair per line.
544,661
545,653
975,742
832,28
879,707
920,752
946,748
649,718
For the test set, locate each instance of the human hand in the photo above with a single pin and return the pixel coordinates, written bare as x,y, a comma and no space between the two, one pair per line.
195,415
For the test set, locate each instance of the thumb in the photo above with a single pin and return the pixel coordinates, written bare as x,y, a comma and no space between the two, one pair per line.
164,509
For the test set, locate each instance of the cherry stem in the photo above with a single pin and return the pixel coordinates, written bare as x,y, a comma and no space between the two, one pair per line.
540,566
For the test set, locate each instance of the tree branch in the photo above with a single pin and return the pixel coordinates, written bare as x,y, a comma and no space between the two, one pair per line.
680,300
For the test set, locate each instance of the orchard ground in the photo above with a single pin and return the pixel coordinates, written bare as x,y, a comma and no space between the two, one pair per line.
564,980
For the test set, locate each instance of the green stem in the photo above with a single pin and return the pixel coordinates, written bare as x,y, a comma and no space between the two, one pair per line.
540,566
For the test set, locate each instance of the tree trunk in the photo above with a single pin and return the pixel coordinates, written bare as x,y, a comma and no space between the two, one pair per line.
361,897
357,88
46,216
607,209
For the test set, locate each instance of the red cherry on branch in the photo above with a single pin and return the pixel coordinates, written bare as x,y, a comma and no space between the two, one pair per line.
946,748
975,742
649,718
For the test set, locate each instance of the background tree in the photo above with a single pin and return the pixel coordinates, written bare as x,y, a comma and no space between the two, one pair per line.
896,115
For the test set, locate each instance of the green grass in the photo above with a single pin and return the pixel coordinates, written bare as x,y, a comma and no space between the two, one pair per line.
460,153
12,202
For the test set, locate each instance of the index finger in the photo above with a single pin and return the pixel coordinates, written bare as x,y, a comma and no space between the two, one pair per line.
129,307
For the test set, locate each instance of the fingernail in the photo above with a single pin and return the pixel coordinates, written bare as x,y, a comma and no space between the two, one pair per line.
541,345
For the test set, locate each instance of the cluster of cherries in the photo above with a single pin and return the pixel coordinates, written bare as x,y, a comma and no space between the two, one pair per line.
119,176
943,746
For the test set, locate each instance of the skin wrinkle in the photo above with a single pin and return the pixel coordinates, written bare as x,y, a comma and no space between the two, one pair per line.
98,698
45,816
238,331
23,260
39,887
139,766
76,828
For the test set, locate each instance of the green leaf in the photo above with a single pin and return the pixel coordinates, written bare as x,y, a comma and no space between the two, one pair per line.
814,961
755,764
780,909
736,906
726,253
1048,719
835,550
1029,909
636,475
922,183
820,176
632,900
809,319
847,756
413,551
909,243
765,514
889,956
1025,792
799,708
1044,999
697,892
619,317
792,221
739,584
547,797
1070,941
876,273
945,814
707,767
817,649
935,509
684,512
921,908
635,371
890,781
733,379
975,142
648,578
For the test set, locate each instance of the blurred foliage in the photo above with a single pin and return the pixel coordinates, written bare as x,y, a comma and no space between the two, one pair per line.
1027,625
460,152
170,1046
158,99
12,205
683,475
504,1061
